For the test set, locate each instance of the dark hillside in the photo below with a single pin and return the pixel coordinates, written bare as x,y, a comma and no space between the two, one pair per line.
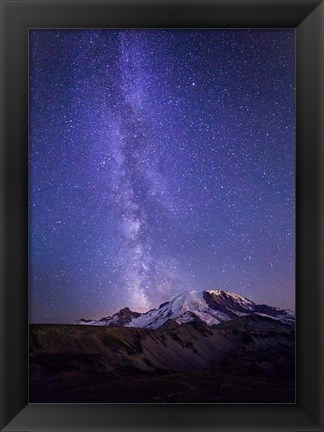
246,360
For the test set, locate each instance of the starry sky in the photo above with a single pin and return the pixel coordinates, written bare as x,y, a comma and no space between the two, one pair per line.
160,161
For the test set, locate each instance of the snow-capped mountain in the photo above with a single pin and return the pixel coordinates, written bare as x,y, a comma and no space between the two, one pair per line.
210,307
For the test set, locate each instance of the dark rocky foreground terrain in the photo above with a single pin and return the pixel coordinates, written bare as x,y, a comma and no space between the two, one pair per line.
246,360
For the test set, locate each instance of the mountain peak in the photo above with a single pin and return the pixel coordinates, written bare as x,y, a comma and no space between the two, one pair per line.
224,293
118,319
125,310
217,292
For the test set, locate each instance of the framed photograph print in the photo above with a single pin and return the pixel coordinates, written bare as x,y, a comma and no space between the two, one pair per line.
161,215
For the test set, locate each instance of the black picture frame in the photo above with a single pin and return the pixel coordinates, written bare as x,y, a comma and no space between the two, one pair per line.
17,16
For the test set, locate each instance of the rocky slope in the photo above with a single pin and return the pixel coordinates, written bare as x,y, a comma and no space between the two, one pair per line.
246,359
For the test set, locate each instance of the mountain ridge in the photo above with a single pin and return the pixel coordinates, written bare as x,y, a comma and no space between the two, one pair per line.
212,307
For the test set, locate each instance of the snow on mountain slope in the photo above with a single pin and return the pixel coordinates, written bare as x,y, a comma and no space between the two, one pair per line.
188,306
177,309
231,300
211,307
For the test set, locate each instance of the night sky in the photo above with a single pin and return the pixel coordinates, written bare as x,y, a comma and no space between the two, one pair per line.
160,161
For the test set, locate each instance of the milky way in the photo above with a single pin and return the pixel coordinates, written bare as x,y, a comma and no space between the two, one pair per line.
160,161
